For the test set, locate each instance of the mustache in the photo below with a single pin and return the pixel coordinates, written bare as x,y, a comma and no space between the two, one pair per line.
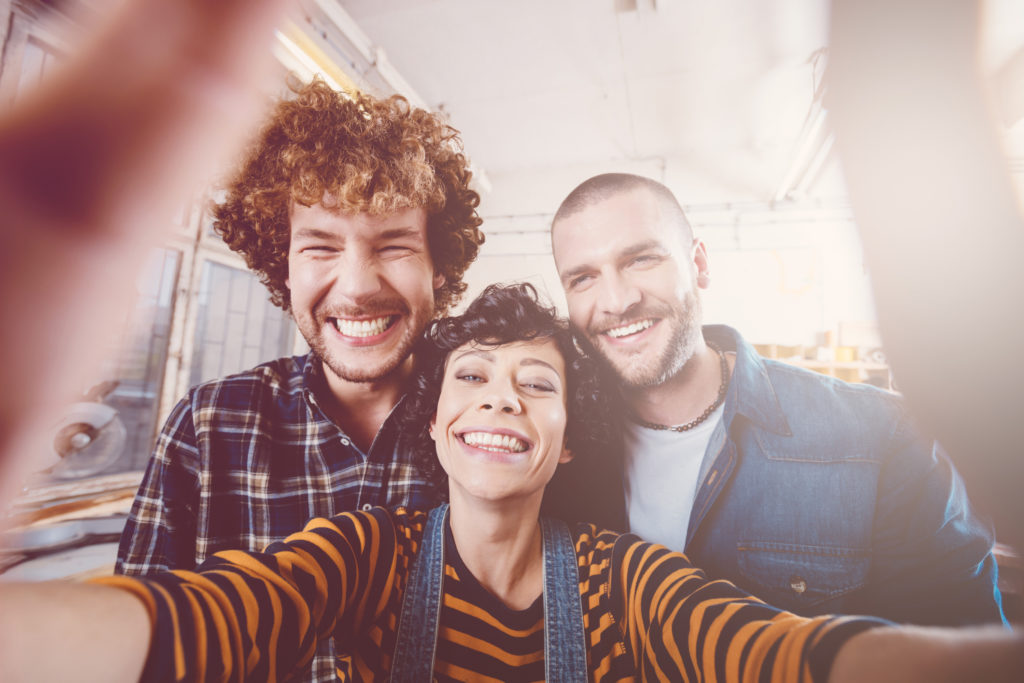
609,322
371,309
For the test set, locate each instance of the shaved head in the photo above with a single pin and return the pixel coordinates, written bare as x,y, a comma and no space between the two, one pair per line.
601,187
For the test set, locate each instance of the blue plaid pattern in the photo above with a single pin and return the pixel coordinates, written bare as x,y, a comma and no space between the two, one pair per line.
247,460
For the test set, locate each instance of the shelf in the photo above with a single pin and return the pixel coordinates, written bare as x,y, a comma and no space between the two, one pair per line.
834,364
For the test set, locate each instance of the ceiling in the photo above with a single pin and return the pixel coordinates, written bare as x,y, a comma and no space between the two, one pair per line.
720,100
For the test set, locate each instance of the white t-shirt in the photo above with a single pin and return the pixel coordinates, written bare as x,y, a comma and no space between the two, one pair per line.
661,471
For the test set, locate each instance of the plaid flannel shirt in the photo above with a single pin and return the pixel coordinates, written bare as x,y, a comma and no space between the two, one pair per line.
247,460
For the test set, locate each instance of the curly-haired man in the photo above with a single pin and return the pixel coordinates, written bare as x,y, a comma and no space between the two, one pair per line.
357,215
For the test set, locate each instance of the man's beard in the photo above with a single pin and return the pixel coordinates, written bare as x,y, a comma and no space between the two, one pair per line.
358,369
638,370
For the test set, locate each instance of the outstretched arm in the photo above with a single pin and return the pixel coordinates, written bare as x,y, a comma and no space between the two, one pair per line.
679,624
57,631
931,655
251,616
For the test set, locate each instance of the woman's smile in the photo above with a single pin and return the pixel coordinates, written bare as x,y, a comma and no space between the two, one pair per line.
501,415
501,444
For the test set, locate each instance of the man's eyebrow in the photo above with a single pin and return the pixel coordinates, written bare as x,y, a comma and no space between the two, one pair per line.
401,232
631,250
573,272
640,247
313,234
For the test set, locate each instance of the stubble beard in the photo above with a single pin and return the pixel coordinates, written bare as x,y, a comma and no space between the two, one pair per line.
359,369
638,370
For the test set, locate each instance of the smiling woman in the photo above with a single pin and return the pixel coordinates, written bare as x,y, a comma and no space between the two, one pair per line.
500,420
464,350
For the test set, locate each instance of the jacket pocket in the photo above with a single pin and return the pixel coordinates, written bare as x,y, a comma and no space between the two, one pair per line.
806,579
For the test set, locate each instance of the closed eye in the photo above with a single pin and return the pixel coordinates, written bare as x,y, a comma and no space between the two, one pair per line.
397,251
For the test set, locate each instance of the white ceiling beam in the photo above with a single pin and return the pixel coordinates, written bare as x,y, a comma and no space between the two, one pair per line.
373,55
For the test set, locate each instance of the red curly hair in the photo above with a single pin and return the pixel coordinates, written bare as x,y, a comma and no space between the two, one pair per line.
358,154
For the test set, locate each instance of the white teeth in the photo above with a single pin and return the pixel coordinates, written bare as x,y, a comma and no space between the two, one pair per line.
363,328
494,442
632,328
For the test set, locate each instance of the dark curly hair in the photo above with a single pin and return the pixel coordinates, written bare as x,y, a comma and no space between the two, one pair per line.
503,314
353,153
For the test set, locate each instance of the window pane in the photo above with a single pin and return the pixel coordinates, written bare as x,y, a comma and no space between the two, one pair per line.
236,327
138,368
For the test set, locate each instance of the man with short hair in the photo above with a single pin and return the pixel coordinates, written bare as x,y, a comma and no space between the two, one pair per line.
813,494
358,217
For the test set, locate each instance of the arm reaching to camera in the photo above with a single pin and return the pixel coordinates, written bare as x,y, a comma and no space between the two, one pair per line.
57,631
257,616
91,166
895,654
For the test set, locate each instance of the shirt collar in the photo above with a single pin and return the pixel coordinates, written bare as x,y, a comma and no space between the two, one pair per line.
750,393
314,383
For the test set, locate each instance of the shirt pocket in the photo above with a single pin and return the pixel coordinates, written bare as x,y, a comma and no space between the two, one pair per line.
806,579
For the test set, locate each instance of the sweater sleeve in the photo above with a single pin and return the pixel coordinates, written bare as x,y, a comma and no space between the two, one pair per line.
681,625
258,616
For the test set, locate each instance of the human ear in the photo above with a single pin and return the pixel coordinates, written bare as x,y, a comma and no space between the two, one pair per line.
701,264
430,429
566,456
439,280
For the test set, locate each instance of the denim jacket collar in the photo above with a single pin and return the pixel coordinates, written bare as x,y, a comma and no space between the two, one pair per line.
750,391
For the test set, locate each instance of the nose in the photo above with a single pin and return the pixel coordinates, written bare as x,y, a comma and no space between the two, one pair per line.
357,278
617,293
502,397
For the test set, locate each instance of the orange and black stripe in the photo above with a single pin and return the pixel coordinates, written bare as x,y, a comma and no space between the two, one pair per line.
647,613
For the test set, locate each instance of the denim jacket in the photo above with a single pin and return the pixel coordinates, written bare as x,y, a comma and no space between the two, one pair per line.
818,497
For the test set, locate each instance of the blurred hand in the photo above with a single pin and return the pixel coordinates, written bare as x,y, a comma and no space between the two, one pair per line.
941,227
91,167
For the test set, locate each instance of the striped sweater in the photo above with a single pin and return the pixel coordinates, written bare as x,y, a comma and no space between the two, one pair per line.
648,613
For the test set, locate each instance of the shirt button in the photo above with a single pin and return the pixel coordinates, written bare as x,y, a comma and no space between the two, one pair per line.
367,507
344,441
798,584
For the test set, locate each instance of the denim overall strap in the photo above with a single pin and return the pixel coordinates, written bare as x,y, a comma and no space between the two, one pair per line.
565,655
413,660
565,648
